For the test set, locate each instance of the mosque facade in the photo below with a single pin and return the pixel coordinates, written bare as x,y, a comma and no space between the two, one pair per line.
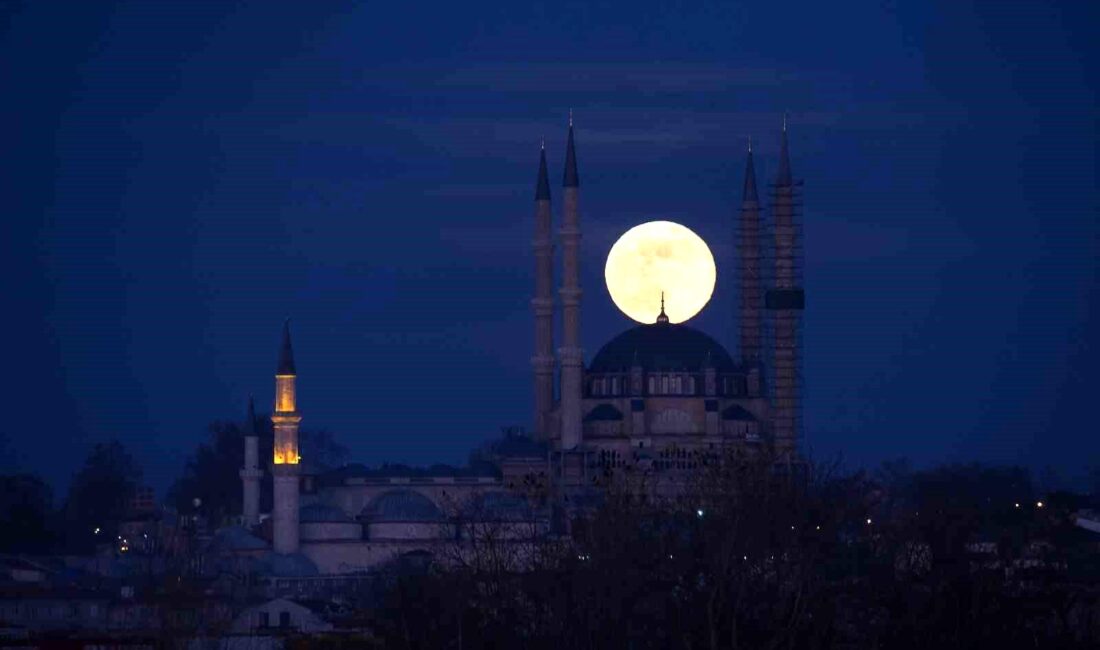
661,397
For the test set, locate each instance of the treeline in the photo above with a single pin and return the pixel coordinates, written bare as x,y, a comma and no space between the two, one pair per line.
749,557
101,492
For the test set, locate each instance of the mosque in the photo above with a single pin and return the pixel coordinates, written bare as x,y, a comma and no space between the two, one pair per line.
660,397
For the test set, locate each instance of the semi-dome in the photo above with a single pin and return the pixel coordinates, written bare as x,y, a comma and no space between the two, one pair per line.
402,505
661,346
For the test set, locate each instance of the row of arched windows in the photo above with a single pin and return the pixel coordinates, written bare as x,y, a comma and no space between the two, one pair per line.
664,384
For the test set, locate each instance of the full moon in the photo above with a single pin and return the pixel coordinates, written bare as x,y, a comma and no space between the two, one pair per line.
656,257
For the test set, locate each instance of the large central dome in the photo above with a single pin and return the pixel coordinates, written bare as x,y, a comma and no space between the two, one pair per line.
661,346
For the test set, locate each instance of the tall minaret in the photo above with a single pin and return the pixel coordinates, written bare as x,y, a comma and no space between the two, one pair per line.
786,301
543,303
251,472
572,357
748,246
285,470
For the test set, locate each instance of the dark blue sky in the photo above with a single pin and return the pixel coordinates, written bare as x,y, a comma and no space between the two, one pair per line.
178,179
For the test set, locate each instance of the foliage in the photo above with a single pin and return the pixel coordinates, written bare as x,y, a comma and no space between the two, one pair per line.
212,473
754,554
26,508
99,495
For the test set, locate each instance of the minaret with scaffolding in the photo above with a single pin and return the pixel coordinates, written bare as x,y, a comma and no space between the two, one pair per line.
786,300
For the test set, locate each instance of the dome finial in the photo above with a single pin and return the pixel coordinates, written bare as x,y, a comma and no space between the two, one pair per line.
662,317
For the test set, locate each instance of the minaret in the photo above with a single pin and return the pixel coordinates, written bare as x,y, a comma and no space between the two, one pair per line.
285,469
543,303
251,472
751,320
786,301
571,355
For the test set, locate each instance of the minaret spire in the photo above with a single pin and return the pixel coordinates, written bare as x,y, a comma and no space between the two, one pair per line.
286,352
783,176
571,355
542,184
751,315
542,361
570,177
749,191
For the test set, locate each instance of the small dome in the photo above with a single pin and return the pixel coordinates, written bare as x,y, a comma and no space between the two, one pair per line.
661,346
402,505
604,413
236,538
293,565
318,513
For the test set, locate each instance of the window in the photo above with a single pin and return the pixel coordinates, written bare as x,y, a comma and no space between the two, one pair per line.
664,384
284,619
652,385
691,385
615,387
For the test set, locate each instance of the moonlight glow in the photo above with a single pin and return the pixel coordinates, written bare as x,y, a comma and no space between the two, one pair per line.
655,257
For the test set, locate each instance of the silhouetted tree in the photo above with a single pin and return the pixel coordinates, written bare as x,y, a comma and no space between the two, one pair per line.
26,510
211,474
99,495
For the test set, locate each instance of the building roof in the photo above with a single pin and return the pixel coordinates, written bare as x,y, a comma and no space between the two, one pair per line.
291,565
320,513
358,470
402,505
661,346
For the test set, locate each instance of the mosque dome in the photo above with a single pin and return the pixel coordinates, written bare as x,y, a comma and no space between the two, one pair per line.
402,505
661,346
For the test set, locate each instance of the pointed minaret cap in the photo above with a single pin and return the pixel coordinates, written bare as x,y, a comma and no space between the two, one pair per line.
250,419
749,193
662,317
286,353
570,179
542,185
783,177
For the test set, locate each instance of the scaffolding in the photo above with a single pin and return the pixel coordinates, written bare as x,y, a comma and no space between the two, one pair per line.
785,300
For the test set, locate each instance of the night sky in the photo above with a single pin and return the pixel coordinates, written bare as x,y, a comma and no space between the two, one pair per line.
177,180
